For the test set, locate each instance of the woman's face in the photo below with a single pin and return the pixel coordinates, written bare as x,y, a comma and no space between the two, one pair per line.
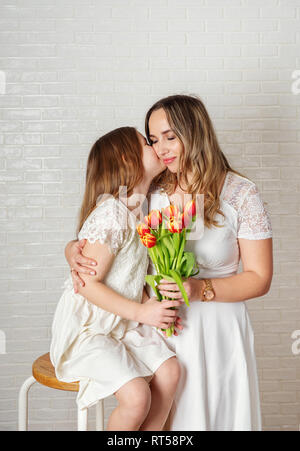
166,144
152,164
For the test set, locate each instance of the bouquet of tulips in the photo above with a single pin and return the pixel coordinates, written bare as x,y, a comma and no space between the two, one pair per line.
164,233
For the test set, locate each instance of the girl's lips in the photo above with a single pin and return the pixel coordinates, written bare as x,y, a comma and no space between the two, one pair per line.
168,161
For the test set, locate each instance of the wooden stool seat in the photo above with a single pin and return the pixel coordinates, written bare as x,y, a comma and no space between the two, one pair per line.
44,373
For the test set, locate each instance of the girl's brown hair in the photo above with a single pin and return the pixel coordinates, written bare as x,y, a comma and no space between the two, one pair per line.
114,160
202,157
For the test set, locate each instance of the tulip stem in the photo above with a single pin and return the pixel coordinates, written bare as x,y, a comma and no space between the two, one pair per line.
183,240
154,259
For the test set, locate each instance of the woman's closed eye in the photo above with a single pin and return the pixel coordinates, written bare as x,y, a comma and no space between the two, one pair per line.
169,139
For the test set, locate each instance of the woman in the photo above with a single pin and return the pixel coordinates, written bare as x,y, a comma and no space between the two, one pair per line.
218,389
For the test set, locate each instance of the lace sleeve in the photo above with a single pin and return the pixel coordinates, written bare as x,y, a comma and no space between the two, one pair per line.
253,219
106,225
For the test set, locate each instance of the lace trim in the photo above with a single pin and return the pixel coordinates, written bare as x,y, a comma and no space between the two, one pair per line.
254,222
253,219
108,224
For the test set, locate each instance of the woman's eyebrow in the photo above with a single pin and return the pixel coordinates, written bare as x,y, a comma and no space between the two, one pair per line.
163,133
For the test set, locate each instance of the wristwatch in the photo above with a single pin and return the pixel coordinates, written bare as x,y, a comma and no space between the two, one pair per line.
207,292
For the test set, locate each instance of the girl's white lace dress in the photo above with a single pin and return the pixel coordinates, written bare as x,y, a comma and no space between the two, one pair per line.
99,349
218,390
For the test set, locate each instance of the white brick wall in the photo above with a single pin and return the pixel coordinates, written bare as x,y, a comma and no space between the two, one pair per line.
78,68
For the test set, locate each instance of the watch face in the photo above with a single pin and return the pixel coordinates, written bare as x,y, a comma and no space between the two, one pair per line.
209,295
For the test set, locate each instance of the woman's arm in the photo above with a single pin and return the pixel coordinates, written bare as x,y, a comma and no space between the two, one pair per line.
253,282
256,278
79,262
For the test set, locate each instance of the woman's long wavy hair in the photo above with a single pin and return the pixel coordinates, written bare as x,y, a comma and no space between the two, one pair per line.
114,160
202,159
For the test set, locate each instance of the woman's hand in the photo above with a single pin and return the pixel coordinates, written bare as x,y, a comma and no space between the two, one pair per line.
78,262
158,314
171,290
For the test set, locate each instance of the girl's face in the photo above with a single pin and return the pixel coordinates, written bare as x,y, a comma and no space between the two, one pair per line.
152,164
166,144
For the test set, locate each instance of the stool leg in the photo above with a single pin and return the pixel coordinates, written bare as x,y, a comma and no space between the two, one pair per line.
82,419
100,415
23,403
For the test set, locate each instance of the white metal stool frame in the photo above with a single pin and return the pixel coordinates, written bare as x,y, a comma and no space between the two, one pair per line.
82,415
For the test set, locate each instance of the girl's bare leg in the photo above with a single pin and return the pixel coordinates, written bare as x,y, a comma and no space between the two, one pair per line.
163,387
134,403
167,425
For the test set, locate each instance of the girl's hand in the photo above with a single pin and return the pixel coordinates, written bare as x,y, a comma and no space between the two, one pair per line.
171,290
79,263
177,325
158,314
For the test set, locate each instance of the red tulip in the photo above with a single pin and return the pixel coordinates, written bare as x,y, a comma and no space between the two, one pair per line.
154,219
171,211
190,208
174,225
142,229
185,220
148,240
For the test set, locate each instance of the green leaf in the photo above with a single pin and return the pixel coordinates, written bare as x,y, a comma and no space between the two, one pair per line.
151,279
178,280
176,242
167,258
190,262
167,241
164,234
181,250
169,278
195,273
161,259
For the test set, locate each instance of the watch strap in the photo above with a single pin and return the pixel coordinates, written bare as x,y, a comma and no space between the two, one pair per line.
206,286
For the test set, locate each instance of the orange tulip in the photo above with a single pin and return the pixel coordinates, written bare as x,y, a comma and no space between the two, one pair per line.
148,240
190,208
174,225
185,220
142,229
154,219
171,211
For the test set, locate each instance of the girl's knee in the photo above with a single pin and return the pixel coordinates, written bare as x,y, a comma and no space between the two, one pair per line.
135,396
175,369
171,370
141,397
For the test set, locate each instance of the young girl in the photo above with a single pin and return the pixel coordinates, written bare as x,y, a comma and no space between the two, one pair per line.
96,336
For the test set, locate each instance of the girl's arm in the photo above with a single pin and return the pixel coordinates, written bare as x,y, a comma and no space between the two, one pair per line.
145,297
153,313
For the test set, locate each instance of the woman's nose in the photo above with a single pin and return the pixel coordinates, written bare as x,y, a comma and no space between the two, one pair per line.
161,149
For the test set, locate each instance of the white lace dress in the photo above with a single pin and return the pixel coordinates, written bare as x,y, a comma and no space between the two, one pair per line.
97,348
218,390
